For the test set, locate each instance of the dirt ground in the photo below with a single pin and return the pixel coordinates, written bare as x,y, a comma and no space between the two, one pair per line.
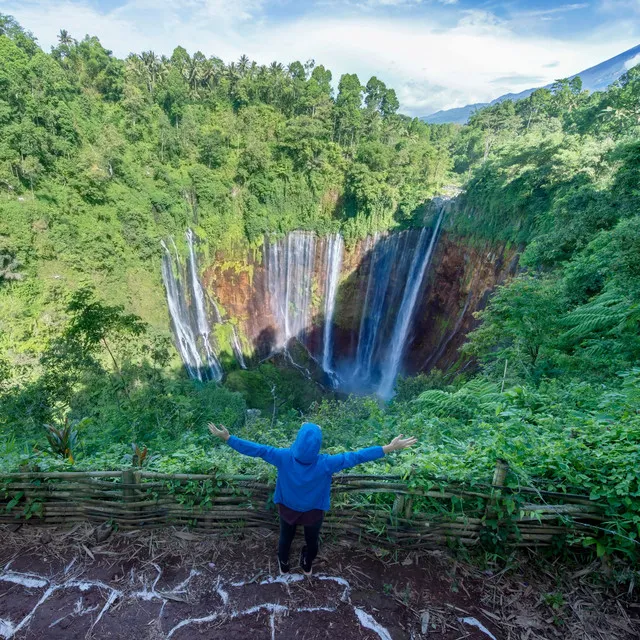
64,583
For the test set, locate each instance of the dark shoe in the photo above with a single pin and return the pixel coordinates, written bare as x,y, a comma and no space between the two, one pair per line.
284,566
306,566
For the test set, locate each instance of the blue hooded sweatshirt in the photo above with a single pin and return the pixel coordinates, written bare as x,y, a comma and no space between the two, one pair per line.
304,474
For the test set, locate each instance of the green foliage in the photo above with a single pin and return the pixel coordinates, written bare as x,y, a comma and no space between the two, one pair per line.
270,388
411,387
519,326
560,174
92,326
462,404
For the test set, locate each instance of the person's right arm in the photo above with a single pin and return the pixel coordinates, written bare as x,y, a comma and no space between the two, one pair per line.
340,461
399,443
269,454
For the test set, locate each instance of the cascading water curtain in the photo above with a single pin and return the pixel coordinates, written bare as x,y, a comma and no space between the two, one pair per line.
188,313
397,263
419,264
290,264
384,257
333,265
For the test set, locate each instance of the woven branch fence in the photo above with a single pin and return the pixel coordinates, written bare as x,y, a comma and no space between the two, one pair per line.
401,516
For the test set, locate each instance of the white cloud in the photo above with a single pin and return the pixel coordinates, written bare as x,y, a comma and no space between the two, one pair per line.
389,3
563,8
616,6
431,65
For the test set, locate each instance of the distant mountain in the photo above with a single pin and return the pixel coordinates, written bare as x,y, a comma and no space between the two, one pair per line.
594,79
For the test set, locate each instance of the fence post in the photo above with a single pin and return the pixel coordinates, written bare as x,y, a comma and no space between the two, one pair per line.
398,505
408,507
500,472
499,476
128,479
128,491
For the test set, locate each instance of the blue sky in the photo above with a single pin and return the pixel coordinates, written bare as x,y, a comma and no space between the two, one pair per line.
435,53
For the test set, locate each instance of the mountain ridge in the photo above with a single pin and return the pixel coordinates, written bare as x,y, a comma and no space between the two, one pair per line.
594,78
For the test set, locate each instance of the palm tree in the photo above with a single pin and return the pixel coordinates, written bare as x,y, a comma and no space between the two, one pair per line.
276,69
207,73
243,65
153,68
65,41
196,72
232,73
277,79
64,38
212,72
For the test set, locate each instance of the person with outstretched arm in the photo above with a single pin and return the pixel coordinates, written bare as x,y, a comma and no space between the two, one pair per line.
303,486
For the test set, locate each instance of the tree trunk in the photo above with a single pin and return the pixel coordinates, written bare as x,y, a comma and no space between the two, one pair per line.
117,367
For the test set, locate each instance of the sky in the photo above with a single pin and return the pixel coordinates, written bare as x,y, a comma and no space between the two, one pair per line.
436,54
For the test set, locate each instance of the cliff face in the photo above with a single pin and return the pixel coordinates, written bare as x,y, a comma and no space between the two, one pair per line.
457,282
461,279
238,283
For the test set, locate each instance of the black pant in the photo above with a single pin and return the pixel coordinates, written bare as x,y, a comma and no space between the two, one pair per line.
311,536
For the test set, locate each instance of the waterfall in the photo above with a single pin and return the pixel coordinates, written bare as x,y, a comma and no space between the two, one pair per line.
185,340
237,348
419,265
335,249
298,284
198,293
215,370
190,323
290,264
235,339
383,257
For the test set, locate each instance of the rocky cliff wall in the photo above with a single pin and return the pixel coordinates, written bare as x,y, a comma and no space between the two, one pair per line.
457,283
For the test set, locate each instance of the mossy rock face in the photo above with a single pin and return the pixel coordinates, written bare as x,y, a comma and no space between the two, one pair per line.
287,386
253,386
348,303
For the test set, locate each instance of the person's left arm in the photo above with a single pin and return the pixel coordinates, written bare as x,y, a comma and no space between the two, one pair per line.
341,461
269,454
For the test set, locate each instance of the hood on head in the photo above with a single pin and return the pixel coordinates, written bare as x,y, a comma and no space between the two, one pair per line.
307,445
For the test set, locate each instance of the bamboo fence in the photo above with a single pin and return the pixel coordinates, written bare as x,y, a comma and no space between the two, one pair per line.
402,516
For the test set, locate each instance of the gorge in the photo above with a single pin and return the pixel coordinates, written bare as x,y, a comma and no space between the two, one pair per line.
393,303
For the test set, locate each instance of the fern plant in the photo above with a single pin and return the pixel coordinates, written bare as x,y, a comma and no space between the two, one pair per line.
610,313
462,404
605,328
